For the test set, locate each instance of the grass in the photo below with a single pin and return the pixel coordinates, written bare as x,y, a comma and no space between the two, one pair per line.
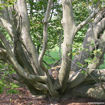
52,56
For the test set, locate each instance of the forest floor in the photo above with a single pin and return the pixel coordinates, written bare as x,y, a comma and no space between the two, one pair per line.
24,97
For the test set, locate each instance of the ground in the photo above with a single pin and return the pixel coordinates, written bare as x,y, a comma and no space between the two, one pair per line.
24,97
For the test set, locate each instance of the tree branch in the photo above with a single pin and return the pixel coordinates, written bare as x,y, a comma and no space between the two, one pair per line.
45,27
95,76
93,34
85,21
17,66
99,16
80,77
69,27
6,20
99,28
3,54
52,90
26,37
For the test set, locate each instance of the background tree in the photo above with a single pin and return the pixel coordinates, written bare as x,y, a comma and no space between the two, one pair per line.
24,48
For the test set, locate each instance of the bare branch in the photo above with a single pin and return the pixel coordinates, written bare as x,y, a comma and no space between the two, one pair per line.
6,43
80,77
26,37
17,66
45,27
8,26
93,34
6,20
3,54
85,21
95,75
99,28
50,85
99,16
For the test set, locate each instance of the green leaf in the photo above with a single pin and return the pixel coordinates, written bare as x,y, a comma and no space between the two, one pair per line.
83,72
79,64
88,60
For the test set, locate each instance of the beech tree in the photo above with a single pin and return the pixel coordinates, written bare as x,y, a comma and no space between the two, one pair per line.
78,76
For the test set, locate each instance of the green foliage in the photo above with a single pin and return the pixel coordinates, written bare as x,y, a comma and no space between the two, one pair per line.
1,86
7,3
80,64
81,34
10,2
97,3
80,10
36,23
5,71
12,91
102,66
83,72
76,48
97,52
52,56
12,88
89,60
6,34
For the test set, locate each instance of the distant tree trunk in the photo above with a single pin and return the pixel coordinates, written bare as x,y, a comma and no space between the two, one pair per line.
24,57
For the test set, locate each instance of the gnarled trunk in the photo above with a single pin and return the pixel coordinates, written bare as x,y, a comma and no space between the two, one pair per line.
29,66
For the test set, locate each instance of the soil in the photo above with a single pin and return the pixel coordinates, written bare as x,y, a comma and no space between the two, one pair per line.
24,97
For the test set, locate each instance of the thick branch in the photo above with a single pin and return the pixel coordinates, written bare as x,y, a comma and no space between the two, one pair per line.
95,76
99,16
93,91
99,28
19,69
14,32
6,20
21,55
3,54
80,77
22,11
26,37
92,35
69,26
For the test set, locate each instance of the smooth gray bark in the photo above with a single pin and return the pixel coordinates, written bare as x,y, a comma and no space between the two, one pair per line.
69,27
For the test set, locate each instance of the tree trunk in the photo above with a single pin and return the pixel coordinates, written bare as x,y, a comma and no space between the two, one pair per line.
69,27
79,81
